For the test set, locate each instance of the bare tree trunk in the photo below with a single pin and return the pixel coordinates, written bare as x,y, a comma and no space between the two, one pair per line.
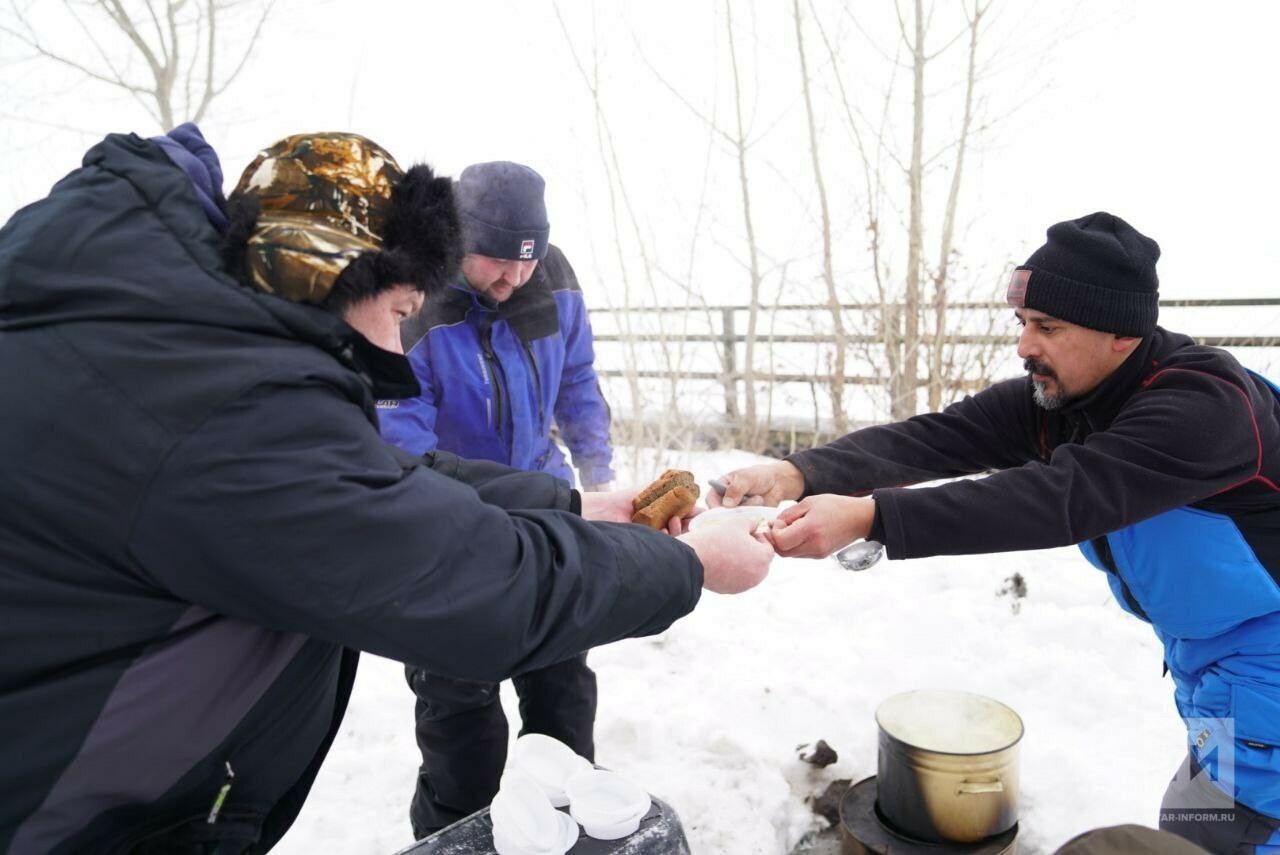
887,321
836,387
904,396
937,370
617,199
749,435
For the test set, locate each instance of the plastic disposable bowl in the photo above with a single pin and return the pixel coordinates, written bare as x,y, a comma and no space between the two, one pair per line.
755,514
550,763
611,830
523,817
569,827
607,804
509,844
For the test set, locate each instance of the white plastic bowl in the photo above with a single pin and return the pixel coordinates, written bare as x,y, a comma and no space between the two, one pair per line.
524,822
569,827
611,830
550,763
606,804
756,514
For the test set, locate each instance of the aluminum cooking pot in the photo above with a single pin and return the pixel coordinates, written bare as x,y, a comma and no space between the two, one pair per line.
948,765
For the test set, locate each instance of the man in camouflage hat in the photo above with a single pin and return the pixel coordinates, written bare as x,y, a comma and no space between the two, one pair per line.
201,523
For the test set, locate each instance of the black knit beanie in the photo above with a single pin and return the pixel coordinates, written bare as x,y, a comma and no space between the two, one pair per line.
502,212
1097,271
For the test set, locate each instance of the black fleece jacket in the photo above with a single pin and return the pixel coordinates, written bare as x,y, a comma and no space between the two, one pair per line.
1177,424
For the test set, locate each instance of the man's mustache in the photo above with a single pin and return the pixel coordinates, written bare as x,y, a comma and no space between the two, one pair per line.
1033,367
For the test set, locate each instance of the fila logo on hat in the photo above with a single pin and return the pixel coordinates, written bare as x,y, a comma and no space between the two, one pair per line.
526,248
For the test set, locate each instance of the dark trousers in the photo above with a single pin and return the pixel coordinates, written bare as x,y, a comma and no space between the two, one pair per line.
462,734
1194,808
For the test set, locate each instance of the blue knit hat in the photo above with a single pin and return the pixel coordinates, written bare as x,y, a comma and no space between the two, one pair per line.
502,211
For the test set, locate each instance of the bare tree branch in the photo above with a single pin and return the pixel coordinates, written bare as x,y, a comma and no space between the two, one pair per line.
248,51
836,386
178,40
666,84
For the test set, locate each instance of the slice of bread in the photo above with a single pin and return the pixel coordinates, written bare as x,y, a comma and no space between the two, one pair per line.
665,483
675,503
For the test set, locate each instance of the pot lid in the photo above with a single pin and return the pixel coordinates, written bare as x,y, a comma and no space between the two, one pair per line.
949,722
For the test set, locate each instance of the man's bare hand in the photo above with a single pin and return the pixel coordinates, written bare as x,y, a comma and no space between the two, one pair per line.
614,506
763,484
820,525
734,559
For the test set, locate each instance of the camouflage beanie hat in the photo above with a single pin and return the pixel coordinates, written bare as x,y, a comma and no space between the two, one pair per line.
326,200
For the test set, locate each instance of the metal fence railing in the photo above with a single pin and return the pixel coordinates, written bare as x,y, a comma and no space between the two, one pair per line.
704,347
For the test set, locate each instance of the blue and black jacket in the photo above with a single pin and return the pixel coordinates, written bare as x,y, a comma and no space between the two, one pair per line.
1167,476
495,376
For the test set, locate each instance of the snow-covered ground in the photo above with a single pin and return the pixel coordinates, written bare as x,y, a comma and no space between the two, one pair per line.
708,715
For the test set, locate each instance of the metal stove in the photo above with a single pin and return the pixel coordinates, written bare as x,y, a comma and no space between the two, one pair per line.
863,829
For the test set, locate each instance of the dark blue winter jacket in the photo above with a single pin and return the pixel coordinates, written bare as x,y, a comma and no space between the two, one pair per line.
1167,475
495,376
199,525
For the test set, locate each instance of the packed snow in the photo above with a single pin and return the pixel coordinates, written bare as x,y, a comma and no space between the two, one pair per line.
708,716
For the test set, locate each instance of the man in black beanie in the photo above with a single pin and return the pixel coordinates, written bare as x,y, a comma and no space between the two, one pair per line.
1159,457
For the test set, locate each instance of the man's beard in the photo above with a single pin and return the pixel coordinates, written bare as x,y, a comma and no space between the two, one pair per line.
1042,397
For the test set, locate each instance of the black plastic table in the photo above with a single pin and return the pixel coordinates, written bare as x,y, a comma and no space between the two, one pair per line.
660,833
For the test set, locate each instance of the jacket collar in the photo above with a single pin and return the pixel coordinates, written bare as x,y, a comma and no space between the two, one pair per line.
531,311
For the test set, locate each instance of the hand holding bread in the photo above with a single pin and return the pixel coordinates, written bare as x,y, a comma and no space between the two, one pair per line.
733,558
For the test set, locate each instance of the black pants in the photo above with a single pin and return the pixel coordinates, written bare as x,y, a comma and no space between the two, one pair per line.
1214,820
462,733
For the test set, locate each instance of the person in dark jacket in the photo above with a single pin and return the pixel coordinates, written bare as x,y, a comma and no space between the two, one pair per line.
1158,456
500,355
201,523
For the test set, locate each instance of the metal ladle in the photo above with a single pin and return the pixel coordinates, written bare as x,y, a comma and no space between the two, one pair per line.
857,556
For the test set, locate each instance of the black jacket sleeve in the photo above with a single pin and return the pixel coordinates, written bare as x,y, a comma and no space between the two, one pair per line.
1179,439
993,429
307,522
502,485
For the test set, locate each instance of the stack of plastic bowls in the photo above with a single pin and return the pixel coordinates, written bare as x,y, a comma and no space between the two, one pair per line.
525,823
606,804
550,763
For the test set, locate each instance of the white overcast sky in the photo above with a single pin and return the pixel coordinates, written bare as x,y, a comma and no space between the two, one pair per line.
1157,110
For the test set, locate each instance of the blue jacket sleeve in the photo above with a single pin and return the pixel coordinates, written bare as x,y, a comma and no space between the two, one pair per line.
411,423
581,411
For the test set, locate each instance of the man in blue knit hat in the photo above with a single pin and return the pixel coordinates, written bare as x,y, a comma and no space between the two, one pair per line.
503,356
1158,456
